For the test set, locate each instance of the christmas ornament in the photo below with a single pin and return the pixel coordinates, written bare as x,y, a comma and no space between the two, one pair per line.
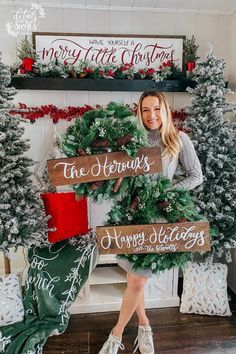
190,65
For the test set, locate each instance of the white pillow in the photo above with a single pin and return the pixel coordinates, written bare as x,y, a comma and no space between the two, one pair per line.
11,306
205,289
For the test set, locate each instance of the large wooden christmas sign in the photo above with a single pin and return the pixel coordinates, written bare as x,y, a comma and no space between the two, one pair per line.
82,169
154,238
101,49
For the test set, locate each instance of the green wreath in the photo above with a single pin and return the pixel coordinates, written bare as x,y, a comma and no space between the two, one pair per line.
151,202
140,200
100,131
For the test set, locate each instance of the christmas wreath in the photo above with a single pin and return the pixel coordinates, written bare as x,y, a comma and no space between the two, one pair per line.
142,199
111,129
154,202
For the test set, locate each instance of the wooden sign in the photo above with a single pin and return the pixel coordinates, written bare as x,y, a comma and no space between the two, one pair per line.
92,168
141,51
154,238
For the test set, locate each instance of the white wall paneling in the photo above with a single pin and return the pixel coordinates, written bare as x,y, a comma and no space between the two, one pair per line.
186,25
101,98
120,22
223,40
75,21
122,97
54,20
207,32
97,21
142,22
201,6
232,42
7,42
164,23
76,98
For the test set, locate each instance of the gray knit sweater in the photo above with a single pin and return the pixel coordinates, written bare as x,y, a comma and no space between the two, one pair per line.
187,158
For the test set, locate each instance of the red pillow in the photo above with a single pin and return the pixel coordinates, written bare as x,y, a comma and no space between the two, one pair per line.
69,215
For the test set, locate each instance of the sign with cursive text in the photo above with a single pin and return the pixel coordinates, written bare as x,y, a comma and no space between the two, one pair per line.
74,170
154,238
98,49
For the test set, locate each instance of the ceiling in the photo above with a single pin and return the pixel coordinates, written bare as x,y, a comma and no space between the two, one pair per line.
202,6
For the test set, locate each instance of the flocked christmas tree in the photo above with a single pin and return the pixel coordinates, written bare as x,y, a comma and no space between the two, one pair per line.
215,141
6,93
22,218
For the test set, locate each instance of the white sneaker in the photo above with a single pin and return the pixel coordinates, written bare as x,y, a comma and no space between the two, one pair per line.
144,340
112,345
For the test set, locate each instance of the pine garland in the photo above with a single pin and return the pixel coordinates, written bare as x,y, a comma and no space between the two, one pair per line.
84,69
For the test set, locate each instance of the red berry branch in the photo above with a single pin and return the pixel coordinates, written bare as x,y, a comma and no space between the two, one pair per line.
70,112
55,113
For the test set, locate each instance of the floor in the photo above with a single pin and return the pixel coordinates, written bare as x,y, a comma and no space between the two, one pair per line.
174,333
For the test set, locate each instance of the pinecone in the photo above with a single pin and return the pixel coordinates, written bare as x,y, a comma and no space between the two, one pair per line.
182,220
135,203
117,184
163,204
73,73
100,143
82,152
124,140
96,185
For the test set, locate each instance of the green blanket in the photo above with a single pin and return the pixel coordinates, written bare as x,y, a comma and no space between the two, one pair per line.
56,275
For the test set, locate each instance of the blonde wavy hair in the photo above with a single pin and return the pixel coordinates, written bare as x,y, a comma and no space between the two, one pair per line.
168,133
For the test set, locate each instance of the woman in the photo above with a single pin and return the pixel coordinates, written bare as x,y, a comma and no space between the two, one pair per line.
155,116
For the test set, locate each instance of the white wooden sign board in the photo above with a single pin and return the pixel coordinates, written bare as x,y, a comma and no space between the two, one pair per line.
141,51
